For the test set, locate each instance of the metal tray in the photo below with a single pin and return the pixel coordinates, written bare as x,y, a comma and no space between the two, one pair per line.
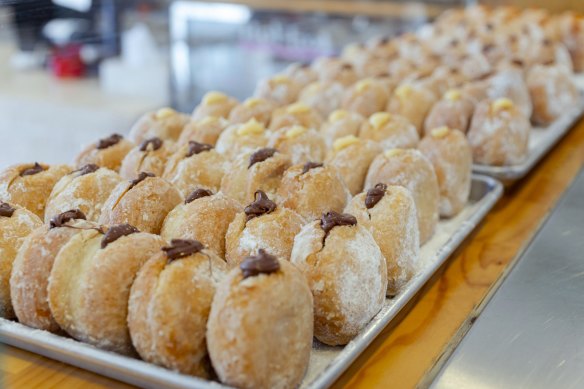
326,363
541,141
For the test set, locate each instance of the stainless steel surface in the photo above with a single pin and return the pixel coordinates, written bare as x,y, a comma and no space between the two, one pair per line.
530,334
326,363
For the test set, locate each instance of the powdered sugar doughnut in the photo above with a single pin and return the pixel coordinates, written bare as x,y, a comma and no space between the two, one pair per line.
107,152
295,114
341,123
253,108
412,102
166,123
149,156
325,97
510,83
301,73
280,90
346,272
214,104
241,138
366,97
454,110
206,130
300,143
335,69
390,131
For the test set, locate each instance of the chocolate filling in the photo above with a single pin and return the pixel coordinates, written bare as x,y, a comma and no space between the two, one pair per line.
197,148
261,206
116,232
141,177
180,248
62,218
6,210
347,66
31,171
332,219
155,142
262,263
260,156
310,165
110,141
375,195
87,169
197,194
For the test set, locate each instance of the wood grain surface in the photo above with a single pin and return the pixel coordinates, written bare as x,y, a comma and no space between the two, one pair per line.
407,350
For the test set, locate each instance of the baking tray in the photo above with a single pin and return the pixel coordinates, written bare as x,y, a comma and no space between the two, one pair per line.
541,141
326,363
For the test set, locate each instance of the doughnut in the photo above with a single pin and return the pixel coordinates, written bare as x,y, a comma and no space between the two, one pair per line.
295,114
450,154
412,170
215,104
29,185
366,97
262,224
253,108
390,131
454,110
412,102
29,279
89,284
150,156
301,73
16,223
352,156
85,189
335,69
107,152
195,165
341,123
206,130
169,306
509,83
279,90
313,188
143,202
204,217
389,214
300,143
262,169
166,124
499,133
241,138
260,328
324,97
346,273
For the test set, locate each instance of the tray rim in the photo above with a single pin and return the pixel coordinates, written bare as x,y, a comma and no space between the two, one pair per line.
147,375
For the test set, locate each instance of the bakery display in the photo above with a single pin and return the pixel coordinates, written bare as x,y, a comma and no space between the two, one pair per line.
107,152
260,327
206,130
204,216
214,104
499,133
89,284
29,185
149,156
241,138
300,143
341,123
412,170
261,169
29,279
390,131
166,123
313,188
85,189
252,108
451,156
16,223
262,225
389,213
195,165
169,306
295,114
143,202
346,273
454,110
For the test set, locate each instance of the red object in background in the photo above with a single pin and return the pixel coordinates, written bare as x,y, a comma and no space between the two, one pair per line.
66,62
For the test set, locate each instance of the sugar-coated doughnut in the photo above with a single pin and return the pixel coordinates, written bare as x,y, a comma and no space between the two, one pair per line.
241,138
280,90
335,69
166,123
454,110
215,104
341,123
366,97
107,152
300,143
301,73
412,101
253,108
324,97
390,131
149,156
206,130
295,114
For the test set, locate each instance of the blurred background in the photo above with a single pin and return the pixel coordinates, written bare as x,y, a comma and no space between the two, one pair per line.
75,70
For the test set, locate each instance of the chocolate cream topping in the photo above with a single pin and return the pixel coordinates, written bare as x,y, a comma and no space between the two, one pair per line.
31,171
110,141
260,156
155,142
262,263
374,195
141,177
116,232
6,210
180,248
197,194
62,218
197,148
311,165
87,169
261,206
332,219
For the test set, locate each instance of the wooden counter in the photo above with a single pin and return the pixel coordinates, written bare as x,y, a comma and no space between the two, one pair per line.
406,351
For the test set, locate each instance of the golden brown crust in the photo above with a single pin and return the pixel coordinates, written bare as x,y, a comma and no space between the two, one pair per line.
454,114
252,108
166,124
366,97
110,157
396,132
214,104
144,206
206,130
13,231
347,277
413,102
89,287
280,90
86,192
205,219
301,144
149,160
260,329
233,143
30,191
295,114
168,310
